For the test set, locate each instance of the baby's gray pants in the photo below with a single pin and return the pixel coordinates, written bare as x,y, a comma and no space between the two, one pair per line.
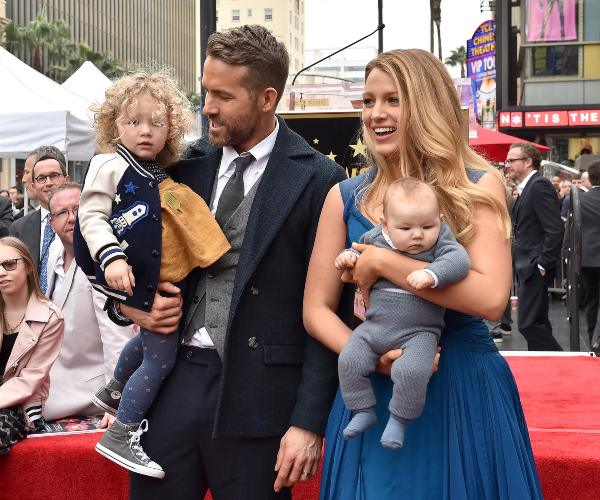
394,320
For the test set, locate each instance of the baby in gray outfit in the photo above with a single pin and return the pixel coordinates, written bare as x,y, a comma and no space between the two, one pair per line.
396,318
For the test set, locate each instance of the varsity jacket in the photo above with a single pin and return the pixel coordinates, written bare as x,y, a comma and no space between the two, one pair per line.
119,190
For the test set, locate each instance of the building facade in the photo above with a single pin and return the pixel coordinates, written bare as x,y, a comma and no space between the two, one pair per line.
548,70
348,65
284,18
150,33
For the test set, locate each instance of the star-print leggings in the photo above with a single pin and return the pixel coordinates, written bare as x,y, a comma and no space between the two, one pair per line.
143,365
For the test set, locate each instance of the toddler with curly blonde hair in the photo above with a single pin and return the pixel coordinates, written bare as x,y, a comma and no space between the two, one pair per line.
137,227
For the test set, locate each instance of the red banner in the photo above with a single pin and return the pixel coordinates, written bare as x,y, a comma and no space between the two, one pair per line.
536,119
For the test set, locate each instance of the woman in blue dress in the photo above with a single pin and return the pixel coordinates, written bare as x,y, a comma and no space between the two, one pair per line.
471,441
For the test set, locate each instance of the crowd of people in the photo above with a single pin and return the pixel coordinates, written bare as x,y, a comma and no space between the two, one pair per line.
204,301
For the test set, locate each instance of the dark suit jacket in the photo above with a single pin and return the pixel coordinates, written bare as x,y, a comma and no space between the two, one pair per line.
538,228
28,229
590,228
6,215
290,378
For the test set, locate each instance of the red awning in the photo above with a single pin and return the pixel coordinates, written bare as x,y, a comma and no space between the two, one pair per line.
494,145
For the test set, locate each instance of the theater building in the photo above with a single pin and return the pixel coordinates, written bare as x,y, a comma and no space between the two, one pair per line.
548,74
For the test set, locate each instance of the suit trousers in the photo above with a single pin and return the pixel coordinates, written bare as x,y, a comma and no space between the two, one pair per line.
590,277
180,440
532,316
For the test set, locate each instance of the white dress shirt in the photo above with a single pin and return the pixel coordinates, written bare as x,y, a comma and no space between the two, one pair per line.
524,182
56,244
253,172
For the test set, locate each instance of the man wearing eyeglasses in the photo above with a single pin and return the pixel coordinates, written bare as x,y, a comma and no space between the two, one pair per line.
34,229
92,342
537,232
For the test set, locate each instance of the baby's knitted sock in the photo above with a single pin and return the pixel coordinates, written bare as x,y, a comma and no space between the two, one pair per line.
361,421
393,435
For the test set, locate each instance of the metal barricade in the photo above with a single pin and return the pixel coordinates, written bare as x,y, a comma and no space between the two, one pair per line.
573,267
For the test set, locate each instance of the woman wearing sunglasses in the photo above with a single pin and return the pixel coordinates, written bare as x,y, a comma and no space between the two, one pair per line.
32,333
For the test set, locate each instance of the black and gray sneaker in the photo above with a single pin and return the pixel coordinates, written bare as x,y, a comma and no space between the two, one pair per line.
497,336
121,444
109,396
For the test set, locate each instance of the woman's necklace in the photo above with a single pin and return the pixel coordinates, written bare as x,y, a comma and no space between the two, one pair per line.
13,329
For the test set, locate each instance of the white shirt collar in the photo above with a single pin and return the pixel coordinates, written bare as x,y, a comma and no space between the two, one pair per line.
259,151
44,212
524,182
387,239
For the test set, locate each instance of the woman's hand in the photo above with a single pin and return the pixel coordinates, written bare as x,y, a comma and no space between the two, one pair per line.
384,364
366,270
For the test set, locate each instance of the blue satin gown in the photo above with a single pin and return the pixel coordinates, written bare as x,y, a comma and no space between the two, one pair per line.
470,443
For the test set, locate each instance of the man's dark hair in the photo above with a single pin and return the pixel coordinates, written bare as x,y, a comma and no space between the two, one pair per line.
529,151
594,173
19,190
49,153
256,48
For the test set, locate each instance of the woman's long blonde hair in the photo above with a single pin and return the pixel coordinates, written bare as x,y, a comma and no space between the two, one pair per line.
33,282
433,145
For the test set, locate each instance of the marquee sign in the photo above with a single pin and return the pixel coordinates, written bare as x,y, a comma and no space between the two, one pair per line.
556,118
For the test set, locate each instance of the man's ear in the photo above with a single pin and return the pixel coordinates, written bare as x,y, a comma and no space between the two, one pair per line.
268,99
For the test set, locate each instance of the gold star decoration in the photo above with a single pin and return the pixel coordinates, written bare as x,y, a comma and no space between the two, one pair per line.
331,156
315,141
359,149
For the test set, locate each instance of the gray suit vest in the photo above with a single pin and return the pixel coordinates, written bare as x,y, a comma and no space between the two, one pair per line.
215,287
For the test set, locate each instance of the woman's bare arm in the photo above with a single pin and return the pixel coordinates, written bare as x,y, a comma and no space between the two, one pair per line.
484,292
323,287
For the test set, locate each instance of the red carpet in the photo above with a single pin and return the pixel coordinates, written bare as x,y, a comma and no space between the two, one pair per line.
561,398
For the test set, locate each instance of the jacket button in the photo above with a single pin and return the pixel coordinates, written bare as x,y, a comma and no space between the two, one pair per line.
253,290
252,343
155,253
155,217
195,299
34,339
151,184
149,288
189,354
146,304
214,299
210,276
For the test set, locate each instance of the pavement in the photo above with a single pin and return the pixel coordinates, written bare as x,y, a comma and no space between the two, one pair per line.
560,327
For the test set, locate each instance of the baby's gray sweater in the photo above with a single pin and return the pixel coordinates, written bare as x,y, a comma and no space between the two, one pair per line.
448,260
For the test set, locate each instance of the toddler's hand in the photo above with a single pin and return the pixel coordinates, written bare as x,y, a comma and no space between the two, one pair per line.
118,275
345,260
420,279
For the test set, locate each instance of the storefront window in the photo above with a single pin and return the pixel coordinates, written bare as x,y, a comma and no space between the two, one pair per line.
591,20
591,61
551,20
556,60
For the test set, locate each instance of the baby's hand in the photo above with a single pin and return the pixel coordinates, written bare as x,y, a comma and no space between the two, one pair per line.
118,275
420,279
345,260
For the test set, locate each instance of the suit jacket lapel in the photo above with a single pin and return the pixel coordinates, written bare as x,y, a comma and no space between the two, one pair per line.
32,233
521,199
67,283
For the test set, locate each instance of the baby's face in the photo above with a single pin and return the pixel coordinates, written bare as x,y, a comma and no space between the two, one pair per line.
412,225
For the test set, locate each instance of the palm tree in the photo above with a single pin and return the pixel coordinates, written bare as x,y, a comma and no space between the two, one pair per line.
435,10
458,57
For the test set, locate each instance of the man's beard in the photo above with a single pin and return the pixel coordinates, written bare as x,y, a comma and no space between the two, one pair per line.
237,131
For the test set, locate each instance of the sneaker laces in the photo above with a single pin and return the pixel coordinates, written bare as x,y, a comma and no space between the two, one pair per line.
134,441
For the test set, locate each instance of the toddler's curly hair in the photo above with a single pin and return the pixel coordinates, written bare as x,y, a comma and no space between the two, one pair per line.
122,96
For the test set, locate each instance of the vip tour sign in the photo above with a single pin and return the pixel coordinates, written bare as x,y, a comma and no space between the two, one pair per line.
481,68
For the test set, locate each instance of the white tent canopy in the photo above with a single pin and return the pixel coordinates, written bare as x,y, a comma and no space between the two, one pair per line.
36,111
88,82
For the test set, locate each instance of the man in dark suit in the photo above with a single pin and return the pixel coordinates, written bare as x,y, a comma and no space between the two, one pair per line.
538,232
251,390
34,229
6,215
590,248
